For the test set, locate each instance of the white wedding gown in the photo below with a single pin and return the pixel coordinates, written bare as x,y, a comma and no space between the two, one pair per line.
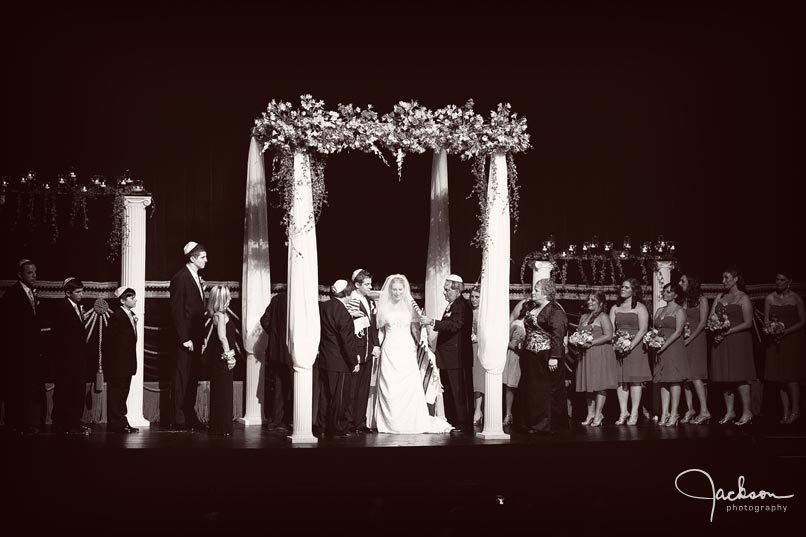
401,406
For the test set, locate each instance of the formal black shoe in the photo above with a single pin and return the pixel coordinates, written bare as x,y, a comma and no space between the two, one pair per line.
199,427
30,430
87,429
364,430
178,427
458,430
77,431
278,428
130,429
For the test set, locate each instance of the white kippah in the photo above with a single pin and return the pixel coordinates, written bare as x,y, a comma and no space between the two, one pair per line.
339,286
68,279
22,262
455,278
189,247
355,273
122,289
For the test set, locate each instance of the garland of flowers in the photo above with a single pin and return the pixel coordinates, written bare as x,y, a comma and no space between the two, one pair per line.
408,128
29,189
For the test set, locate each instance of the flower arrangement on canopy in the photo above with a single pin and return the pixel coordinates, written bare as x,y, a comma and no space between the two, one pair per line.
409,128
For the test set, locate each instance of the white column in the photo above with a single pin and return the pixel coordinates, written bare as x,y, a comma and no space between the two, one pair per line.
541,270
133,274
303,298
493,327
662,276
250,393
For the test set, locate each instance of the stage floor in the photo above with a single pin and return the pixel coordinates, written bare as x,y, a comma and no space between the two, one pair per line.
619,479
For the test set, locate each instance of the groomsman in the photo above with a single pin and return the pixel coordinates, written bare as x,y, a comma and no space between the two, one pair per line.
187,312
120,360
366,332
454,354
338,358
279,364
23,368
69,345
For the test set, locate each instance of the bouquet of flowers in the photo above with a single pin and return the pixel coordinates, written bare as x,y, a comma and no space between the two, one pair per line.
774,329
686,331
537,341
581,338
718,323
654,339
622,342
229,357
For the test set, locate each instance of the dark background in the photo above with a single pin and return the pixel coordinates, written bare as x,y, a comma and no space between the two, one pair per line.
682,121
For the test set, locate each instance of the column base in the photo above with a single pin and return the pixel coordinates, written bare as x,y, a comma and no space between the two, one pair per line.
303,439
138,421
492,436
250,420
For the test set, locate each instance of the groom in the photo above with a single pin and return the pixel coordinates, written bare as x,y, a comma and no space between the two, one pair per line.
455,353
366,333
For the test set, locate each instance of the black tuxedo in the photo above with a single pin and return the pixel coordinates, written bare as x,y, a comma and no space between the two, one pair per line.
187,312
278,360
119,363
366,341
338,356
69,346
454,353
23,366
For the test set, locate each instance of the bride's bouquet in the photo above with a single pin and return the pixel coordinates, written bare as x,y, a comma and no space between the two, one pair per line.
654,339
622,342
229,357
537,341
686,331
581,338
774,330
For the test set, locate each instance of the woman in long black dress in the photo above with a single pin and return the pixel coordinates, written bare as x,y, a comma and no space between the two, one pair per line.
220,355
542,387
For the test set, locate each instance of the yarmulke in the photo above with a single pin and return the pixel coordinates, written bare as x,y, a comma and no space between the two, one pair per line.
355,273
71,278
189,247
22,262
455,278
339,286
122,289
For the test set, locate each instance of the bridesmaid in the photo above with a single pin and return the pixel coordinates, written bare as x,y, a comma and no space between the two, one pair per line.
732,352
512,369
631,315
597,369
784,357
220,354
478,369
672,363
696,307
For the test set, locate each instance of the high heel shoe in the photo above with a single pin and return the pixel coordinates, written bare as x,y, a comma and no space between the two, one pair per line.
727,420
507,420
792,417
662,420
701,420
745,421
688,416
587,421
597,421
672,420
633,420
622,419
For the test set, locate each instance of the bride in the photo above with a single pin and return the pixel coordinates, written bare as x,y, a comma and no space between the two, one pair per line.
401,404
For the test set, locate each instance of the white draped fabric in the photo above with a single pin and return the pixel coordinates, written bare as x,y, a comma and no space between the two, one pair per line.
256,275
303,295
438,263
493,325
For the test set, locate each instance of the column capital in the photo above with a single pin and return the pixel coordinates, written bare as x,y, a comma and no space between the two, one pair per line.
134,200
667,264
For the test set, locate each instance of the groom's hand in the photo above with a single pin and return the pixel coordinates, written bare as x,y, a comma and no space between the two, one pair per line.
376,351
425,320
356,368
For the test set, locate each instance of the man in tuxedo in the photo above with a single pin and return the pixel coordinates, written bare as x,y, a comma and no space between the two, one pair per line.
69,346
366,333
455,354
187,312
23,365
120,359
338,358
279,376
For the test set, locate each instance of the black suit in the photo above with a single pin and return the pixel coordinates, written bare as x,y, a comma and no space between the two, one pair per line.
120,364
69,345
23,365
278,358
338,356
362,379
454,354
187,312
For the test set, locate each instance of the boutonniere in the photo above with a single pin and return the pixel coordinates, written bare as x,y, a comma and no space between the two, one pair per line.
134,317
35,294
